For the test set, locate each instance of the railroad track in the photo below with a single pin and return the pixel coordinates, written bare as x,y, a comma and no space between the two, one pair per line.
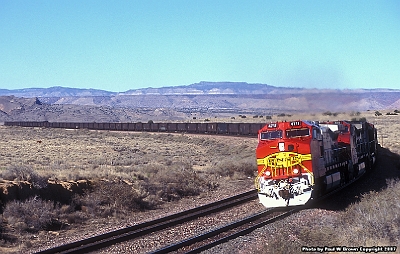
228,232
140,230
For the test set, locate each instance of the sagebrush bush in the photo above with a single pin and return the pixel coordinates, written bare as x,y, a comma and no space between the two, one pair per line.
376,216
33,215
24,173
113,198
175,181
240,168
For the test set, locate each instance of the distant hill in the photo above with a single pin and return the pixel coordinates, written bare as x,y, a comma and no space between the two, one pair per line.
179,102
56,91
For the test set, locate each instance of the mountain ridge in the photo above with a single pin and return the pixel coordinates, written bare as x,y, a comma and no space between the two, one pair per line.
181,102
203,87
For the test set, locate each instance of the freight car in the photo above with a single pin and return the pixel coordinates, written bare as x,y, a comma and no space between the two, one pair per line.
301,160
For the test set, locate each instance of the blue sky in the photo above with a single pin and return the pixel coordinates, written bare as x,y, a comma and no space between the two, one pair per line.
122,45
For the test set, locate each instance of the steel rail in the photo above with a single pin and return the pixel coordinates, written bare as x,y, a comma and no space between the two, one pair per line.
131,232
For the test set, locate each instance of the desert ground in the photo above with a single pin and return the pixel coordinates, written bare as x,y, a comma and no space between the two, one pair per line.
122,177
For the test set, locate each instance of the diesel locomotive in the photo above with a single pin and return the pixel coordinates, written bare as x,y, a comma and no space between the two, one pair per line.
301,160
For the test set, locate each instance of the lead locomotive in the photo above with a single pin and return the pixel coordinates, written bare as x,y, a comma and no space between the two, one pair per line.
300,160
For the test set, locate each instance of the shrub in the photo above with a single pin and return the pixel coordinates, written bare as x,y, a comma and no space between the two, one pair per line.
377,213
242,168
33,215
361,119
176,181
24,173
112,198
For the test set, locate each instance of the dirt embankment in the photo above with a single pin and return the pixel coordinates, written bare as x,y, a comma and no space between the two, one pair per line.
53,190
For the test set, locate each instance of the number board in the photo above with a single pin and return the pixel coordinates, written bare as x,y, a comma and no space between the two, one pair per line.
272,125
295,123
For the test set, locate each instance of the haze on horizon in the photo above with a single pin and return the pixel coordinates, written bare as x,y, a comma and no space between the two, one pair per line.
122,45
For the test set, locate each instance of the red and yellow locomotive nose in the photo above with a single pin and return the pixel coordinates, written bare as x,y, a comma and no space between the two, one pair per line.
281,165
284,163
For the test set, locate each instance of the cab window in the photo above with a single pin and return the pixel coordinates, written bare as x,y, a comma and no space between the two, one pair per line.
271,135
297,133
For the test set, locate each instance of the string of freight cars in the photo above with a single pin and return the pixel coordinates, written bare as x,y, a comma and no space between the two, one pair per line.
244,129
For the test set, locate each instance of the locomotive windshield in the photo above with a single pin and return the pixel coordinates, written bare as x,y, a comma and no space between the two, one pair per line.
297,133
271,135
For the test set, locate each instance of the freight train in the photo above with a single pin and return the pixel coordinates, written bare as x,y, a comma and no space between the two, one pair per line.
301,160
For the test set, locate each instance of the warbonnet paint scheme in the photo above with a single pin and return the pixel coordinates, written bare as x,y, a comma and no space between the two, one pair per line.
300,160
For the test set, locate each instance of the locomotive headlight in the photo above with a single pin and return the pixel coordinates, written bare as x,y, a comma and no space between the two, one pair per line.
295,171
268,173
281,146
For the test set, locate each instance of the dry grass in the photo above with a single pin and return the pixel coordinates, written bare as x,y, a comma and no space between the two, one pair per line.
83,154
